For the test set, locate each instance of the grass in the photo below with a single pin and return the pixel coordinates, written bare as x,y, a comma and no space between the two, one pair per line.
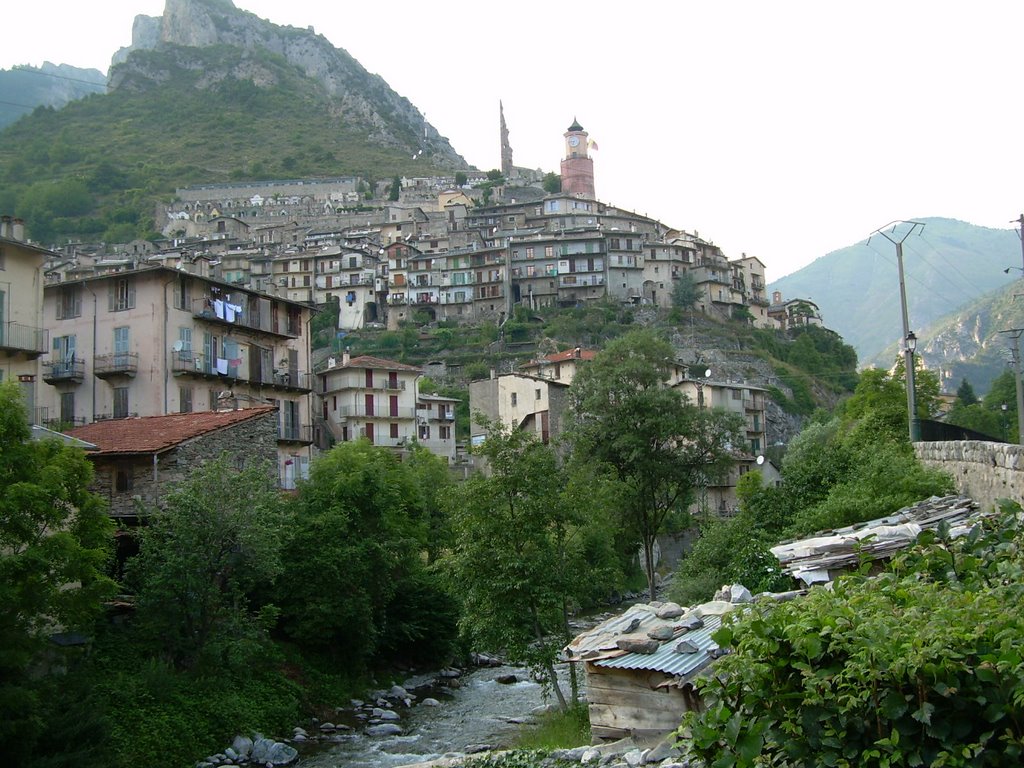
557,730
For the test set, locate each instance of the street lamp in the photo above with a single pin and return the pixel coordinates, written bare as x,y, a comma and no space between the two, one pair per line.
915,425
700,387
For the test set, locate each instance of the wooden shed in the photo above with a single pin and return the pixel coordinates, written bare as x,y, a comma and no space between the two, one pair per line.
640,665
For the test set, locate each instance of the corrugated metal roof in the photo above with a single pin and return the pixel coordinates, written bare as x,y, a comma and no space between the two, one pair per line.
666,660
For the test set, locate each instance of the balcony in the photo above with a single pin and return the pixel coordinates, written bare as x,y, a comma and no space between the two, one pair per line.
62,425
26,339
118,364
64,371
383,412
188,363
577,281
296,433
225,313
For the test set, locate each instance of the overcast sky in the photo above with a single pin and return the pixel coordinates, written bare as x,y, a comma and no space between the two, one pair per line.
783,130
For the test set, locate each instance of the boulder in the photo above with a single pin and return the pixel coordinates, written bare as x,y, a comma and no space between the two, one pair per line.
669,611
637,646
506,679
242,746
662,633
429,702
272,752
383,729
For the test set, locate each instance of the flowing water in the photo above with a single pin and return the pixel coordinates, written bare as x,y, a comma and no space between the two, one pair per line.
481,711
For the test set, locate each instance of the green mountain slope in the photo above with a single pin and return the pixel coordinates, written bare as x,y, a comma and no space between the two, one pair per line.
948,265
273,102
52,85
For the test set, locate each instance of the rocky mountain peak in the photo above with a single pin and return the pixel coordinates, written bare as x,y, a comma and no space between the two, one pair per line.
355,94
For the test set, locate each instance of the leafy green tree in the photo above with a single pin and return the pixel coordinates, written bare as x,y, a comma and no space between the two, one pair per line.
685,292
202,558
965,393
515,561
552,183
461,178
396,189
918,666
658,446
55,544
496,176
355,559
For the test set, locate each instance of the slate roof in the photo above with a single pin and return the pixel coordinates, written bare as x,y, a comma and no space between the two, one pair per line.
156,434
562,357
369,361
819,558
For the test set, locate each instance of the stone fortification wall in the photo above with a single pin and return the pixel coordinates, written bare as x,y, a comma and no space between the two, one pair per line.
984,471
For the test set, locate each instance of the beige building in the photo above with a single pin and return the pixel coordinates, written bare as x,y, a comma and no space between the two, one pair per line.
154,341
23,337
518,401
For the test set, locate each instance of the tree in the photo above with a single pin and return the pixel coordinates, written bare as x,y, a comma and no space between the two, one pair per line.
552,183
356,587
965,393
496,176
396,189
658,446
202,558
516,561
55,544
461,178
685,292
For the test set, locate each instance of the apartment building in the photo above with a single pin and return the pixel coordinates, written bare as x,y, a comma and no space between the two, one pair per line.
23,336
152,340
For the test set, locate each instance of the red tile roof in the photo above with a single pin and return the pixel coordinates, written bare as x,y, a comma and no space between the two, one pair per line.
368,361
155,434
561,357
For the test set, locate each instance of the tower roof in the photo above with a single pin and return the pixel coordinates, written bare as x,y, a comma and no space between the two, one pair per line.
575,125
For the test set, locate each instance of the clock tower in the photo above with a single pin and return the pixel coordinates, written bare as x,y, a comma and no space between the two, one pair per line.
577,167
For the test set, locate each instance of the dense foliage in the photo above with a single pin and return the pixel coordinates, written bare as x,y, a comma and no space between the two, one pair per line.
855,466
55,541
919,666
527,545
659,447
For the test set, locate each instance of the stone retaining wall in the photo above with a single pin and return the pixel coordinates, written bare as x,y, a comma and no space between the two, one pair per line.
984,471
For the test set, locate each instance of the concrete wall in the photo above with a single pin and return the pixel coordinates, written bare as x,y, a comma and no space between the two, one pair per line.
984,471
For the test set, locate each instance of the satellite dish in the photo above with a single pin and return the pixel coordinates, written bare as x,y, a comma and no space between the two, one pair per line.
760,460
707,374
178,345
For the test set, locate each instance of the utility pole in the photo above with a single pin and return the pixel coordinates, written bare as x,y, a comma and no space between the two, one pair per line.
908,353
1020,236
1015,333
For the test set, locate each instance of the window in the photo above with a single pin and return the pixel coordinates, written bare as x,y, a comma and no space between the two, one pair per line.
549,251
424,432
120,402
184,399
67,408
182,293
124,479
755,445
69,302
529,252
536,394
445,433
121,346
394,431
121,295
514,398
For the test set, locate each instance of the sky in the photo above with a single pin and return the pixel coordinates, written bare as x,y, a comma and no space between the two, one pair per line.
782,130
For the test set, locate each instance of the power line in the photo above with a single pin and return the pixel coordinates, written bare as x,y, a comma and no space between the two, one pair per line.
34,71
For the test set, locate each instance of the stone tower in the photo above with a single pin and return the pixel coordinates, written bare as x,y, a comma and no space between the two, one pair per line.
577,167
506,148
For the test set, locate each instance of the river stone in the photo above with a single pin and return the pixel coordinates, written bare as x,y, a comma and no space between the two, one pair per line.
692,622
230,754
356,703
591,755
506,679
662,751
325,727
637,646
242,746
429,702
686,646
383,729
661,633
634,758
574,755
475,749
389,715
669,611
449,673
398,692
300,737
273,752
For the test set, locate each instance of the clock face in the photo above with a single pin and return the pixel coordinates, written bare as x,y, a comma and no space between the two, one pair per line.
574,141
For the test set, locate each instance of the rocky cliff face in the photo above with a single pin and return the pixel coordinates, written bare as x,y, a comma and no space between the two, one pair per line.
353,93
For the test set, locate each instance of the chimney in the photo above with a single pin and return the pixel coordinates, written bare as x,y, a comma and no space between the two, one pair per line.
776,297
18,230
577,353
346,357
5,226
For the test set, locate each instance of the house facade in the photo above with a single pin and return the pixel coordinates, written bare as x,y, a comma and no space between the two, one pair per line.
152,341
23,335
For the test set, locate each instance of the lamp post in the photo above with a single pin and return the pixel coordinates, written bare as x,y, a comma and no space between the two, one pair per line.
915,424
699,382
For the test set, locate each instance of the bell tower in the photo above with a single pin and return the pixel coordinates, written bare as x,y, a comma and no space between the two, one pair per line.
577,167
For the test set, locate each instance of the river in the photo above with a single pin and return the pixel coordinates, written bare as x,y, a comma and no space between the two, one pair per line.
481,711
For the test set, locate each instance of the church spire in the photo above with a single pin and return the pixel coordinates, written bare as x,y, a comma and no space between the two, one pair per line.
506,148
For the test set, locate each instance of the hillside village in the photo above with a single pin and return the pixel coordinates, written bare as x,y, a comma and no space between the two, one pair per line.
217,317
